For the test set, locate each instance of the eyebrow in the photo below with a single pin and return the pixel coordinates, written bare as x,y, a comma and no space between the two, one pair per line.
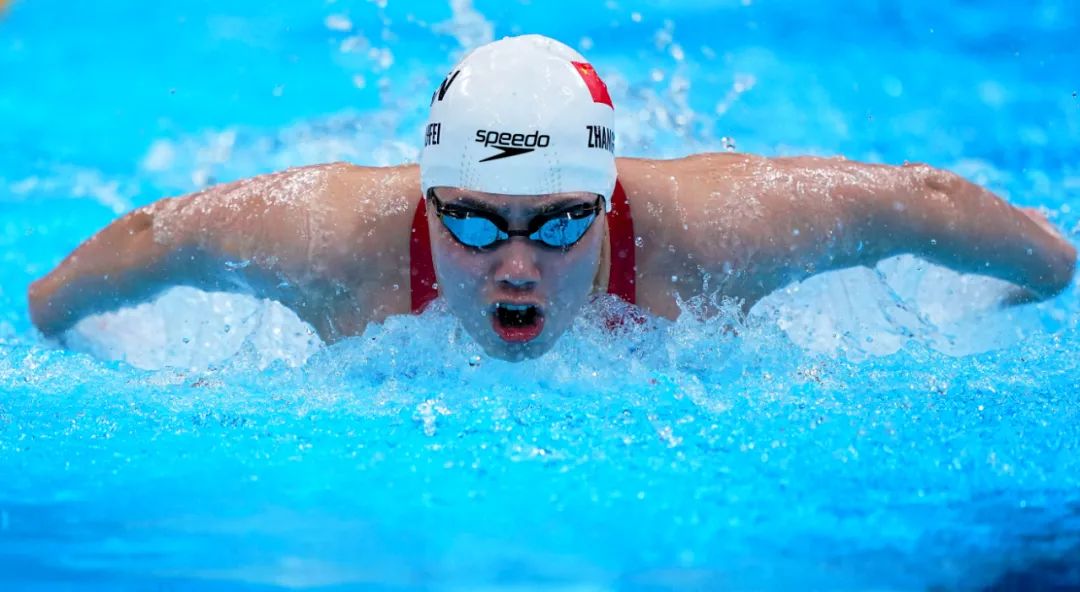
555,206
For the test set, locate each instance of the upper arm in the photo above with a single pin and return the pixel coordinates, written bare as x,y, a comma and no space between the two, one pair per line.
263,222
310,237
294,236
752,225
747,225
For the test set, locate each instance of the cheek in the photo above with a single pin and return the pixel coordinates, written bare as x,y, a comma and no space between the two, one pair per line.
457,271
577,269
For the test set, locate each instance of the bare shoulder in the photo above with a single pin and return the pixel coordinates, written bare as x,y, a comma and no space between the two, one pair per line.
694,217
371,196
315,237
681,182
366,213
322,217
363,249
671,196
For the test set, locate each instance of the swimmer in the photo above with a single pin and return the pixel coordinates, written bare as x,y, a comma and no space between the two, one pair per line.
518,213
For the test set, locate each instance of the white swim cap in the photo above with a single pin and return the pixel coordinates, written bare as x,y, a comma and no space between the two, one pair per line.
521,116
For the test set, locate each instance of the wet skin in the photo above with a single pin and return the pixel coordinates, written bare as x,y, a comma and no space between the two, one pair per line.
332,242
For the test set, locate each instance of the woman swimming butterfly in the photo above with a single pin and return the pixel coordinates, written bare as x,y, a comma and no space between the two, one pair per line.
519,212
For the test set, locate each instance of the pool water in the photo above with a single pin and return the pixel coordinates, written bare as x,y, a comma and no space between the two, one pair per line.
890,428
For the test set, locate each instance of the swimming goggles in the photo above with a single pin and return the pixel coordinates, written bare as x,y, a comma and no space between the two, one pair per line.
485,230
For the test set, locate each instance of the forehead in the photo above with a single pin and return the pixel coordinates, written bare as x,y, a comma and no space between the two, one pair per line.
504,202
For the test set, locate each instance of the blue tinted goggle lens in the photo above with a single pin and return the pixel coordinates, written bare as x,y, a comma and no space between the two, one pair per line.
483,230
474,232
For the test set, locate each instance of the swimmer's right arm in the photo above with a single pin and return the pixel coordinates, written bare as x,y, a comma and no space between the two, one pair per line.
119,265
253,236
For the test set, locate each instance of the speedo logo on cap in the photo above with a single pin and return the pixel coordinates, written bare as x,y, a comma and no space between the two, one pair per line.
511,144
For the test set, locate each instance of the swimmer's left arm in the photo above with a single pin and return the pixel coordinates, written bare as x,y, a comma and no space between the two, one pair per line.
784,219
953,222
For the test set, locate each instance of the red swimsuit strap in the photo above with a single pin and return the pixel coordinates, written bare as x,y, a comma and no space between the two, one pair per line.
621,280
422,284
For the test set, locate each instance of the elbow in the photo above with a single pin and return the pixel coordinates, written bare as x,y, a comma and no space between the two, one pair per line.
1060,271
43,314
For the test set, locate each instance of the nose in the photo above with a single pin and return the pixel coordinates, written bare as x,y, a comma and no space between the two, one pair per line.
516,265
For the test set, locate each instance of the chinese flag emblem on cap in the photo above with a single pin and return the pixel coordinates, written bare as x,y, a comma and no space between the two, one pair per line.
597,88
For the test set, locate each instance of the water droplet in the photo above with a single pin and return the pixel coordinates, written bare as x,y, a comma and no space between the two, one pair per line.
338,22
639,241
228,328
186,340
933,241
795,232
474,361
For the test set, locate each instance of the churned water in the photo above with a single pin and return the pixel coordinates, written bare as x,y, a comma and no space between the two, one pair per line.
892,428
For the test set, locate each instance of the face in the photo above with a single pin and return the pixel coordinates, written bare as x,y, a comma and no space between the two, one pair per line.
518,296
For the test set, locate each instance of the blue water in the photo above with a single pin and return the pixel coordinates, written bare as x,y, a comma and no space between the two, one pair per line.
888,429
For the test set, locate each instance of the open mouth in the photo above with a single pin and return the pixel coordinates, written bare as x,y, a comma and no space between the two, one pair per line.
517,323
